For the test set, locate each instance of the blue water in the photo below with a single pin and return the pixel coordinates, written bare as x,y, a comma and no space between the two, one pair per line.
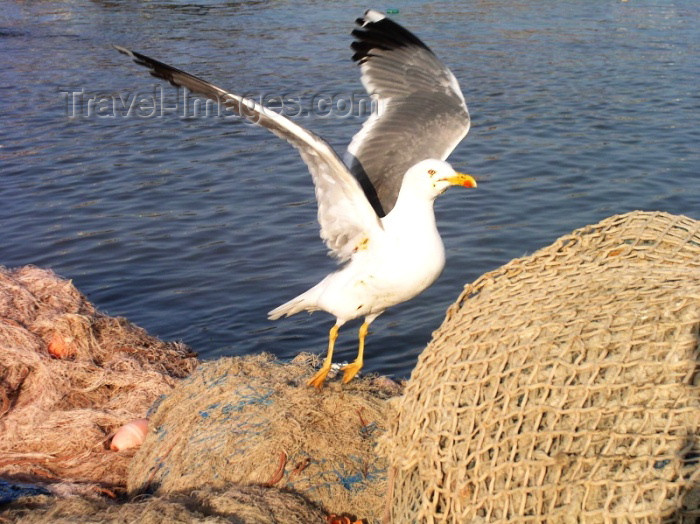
195,227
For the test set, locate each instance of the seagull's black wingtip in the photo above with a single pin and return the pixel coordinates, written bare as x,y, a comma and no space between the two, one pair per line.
377,31
123,50
136,57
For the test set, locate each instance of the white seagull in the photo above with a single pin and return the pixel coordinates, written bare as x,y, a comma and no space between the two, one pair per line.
376,215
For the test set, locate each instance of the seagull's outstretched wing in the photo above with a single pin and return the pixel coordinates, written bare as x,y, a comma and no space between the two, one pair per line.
421,110
345,214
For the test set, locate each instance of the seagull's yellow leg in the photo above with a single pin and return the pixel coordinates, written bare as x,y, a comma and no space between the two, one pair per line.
317,380
351,370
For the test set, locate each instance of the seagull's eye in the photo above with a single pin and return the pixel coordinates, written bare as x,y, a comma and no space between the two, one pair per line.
431,172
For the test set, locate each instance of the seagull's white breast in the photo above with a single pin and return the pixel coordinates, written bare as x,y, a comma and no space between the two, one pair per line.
389,269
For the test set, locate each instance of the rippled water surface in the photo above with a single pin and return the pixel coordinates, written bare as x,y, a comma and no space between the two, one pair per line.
195,227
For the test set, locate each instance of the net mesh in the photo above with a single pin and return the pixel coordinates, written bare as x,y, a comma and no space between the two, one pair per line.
561,387
253,420
234,504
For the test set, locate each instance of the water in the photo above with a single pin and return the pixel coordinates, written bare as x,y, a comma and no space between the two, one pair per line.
194,228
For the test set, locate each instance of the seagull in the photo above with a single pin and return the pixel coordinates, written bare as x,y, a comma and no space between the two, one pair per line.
375,208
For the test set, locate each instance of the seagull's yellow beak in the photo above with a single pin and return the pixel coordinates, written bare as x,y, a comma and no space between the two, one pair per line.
460,179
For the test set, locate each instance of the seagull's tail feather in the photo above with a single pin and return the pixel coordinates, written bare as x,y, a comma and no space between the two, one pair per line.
304,302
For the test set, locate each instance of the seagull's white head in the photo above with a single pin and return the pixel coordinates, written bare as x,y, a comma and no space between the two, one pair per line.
433,177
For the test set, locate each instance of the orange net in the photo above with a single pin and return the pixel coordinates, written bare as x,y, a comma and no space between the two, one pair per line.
69,376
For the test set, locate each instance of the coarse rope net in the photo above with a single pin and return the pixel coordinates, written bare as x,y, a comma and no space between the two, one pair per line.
232,505
252,420
561,387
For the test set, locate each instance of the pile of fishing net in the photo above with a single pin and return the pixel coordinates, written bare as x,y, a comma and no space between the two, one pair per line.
253,420
241,437
69,377
562,387
236,504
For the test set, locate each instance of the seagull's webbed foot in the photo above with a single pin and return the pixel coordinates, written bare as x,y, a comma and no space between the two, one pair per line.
350,370
320,376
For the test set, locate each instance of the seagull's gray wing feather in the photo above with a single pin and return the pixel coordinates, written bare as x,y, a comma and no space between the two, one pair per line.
421,110
344,213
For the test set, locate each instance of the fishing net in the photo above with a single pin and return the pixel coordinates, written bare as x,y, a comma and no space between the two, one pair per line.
69,376
252,420
236,504
561,387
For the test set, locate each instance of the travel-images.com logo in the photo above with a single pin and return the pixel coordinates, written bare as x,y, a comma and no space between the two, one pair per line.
180,102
